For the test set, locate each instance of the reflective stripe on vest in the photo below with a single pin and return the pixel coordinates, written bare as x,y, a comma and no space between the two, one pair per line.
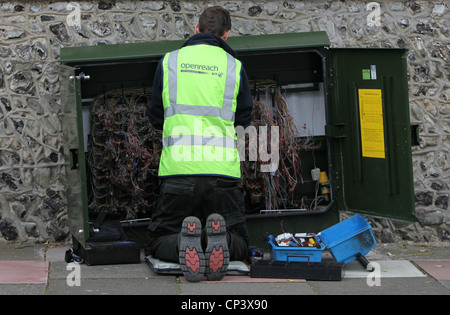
199,140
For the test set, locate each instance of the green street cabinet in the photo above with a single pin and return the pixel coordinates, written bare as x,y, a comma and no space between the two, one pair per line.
350,107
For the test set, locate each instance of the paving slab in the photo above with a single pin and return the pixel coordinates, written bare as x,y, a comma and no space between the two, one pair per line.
387,286
23,289
124,279
21,272
56,253
401,251
21,252
61,270
438,269
102,286
245,279
384,268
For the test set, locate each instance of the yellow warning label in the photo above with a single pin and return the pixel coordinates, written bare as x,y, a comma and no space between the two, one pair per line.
371,117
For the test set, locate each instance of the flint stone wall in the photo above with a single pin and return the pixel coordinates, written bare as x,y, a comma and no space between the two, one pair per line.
32,180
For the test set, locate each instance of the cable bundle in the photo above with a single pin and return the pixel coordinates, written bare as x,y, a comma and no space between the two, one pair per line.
277,189
124,152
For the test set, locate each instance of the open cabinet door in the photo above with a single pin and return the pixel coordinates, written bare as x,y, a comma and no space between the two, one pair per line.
371,134
75,163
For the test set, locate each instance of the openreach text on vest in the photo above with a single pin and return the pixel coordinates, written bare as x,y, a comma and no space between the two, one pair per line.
193,66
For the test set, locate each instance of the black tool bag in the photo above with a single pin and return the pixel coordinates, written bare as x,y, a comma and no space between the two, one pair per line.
106,245
105,229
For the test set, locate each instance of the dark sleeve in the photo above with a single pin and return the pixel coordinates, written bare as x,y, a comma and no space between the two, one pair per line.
244,106
155,108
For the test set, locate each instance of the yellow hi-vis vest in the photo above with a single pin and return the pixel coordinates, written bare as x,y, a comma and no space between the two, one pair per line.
200,87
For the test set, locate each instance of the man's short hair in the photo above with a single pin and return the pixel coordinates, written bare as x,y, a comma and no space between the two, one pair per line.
215,20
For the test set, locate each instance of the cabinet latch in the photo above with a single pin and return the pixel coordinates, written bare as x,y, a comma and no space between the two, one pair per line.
82,77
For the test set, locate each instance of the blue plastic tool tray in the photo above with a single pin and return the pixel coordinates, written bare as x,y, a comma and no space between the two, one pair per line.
291,253
347,240
350,239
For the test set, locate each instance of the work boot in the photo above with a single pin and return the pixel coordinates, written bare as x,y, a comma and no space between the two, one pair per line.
216,254
191,257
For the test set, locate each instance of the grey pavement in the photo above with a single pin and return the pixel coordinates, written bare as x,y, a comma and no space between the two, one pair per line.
402,269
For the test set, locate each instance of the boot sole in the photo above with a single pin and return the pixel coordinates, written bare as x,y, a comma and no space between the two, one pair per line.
191,256
216,254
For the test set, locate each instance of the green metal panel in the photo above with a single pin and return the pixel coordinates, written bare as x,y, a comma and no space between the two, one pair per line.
366,183
131,65
118,52
75,164
279,41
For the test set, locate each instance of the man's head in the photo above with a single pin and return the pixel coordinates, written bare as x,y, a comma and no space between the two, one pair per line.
214,20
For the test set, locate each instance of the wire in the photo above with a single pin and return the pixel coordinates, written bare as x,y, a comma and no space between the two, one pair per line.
278,189
124,152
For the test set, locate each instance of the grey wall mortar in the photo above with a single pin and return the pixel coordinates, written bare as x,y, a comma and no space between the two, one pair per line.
32,180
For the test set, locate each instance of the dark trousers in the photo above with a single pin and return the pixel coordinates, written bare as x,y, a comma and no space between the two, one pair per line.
198,196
